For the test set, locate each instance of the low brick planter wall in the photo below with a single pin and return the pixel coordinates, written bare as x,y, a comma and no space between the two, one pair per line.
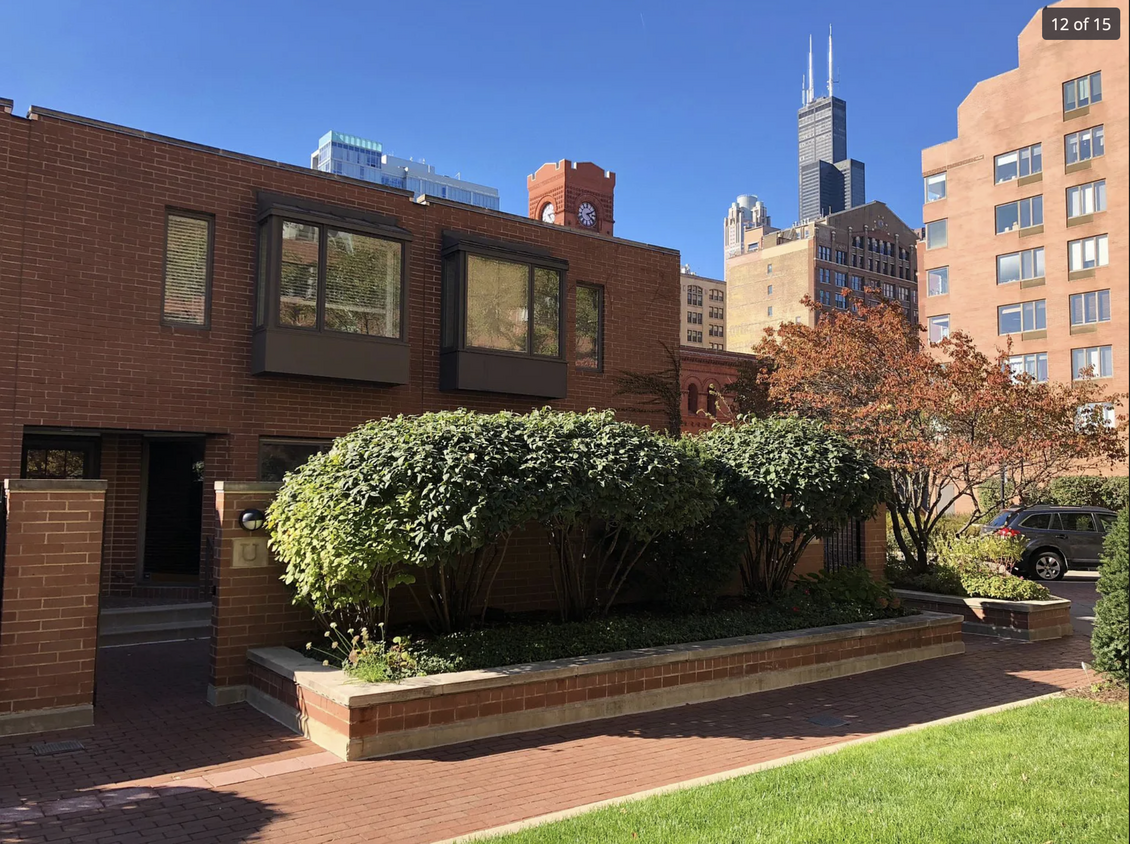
361,720
1032,620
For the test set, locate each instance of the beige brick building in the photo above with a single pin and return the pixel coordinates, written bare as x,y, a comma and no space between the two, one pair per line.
1026,211
703,311
831,259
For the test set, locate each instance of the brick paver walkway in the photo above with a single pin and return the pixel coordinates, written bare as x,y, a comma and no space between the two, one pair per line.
144,740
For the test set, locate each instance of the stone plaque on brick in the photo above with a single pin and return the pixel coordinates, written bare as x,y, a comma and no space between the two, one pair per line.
250,552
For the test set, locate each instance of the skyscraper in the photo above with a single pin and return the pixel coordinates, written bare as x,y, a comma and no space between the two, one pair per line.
828,181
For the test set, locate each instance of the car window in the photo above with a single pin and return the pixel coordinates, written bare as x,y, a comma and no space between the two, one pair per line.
1078,521
1001,519
1038,521
1107,522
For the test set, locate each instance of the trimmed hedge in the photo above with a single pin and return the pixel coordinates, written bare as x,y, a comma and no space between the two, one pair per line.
1088,491
1110,641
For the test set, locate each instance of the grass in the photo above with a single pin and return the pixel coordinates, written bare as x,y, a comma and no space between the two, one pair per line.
1053,772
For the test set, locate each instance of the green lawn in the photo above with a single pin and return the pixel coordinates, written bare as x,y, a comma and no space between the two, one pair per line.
1055,771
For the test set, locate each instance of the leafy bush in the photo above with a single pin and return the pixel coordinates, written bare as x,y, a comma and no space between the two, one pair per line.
604,490
972,567
1001,550
1088,491
432,497
1110,641
793,610
792,480
366,658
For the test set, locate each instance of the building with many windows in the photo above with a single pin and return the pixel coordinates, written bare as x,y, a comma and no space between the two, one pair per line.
703,305
865,252
1026,212
360,158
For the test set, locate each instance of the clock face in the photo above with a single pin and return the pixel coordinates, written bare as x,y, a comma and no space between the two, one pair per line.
586,214
548,213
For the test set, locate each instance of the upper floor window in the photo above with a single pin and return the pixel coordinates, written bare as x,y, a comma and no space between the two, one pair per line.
824,253
1086,199
694,295
1020,266
1096,414
888,290
1087,253
769,290
1081,146
590,327
935,187
1091,307
1083,91
856,282
1018,163
1034,365
1025,316
937,234
1092,362
938,281
694,317
939,328
1021,214
188,269
769,311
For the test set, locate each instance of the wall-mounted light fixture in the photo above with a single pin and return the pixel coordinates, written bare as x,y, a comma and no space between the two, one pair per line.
252,519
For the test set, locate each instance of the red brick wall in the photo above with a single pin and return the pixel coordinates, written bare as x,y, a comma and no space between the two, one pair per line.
49,606
121,468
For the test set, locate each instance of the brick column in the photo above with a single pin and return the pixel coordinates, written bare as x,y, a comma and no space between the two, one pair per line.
875,543
251,607
49,604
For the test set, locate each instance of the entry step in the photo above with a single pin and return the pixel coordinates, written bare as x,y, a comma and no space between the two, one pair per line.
154,623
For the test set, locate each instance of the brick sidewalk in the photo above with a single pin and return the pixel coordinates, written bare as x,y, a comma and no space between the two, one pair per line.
431,795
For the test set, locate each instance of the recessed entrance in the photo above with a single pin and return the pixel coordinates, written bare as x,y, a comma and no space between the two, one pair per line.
173,495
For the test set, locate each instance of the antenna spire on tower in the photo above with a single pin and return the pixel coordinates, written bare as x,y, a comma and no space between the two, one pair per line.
811,92
829,60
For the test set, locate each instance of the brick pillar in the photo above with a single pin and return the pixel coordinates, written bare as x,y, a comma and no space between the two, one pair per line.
251,607
875,543
49,604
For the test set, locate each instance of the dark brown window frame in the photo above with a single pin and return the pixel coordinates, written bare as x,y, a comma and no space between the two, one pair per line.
466,367
599,288
210,219
278,440
90,445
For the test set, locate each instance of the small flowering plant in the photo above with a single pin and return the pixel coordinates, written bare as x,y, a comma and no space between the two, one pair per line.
368,658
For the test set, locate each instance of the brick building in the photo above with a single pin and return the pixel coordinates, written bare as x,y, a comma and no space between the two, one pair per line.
177,315
1026,212
830,260
702,304
706,376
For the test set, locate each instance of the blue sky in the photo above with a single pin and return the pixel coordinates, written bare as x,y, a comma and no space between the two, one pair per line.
690,104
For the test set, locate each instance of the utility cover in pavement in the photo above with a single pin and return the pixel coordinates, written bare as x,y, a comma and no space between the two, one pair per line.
50,748
828,721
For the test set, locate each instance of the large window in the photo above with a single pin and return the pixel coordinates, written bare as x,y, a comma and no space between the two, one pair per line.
1087,253
939,328
188,269
1034,365
1086,199
512,307
1083,91
1090,308
1025,316
1020,266
935,187
1092,362
937,234
1018,163
1082,146
938,281
279,456
1021,214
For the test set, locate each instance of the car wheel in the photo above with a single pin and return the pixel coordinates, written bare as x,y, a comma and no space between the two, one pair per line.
1048,565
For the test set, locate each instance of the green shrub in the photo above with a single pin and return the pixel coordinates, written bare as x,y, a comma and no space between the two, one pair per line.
996,550
1088,491
852,586
972,567
792,480
1110,641
604,490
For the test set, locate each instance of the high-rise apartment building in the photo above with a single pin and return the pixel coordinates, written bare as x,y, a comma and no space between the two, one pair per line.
348,155
828,181
703,305
746,214
1026,212
863,253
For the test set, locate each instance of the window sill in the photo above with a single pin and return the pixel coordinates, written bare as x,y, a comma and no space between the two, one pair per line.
1081,220
1075,275
1034,335
1076,112
1033,282
484,371
1030,179
1088,328
322,354
1032,230
1077,166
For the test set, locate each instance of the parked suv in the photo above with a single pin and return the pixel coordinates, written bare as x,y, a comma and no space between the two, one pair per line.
1059,538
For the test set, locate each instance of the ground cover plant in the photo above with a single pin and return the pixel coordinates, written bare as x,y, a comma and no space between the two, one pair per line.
1054,771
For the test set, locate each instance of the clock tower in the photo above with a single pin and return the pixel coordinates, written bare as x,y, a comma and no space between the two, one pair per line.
577,194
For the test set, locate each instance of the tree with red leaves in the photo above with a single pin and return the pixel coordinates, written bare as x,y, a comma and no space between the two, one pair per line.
941,418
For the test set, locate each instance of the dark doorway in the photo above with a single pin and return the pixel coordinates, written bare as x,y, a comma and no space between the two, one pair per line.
174,496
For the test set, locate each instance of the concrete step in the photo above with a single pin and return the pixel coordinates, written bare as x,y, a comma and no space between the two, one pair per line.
156,623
